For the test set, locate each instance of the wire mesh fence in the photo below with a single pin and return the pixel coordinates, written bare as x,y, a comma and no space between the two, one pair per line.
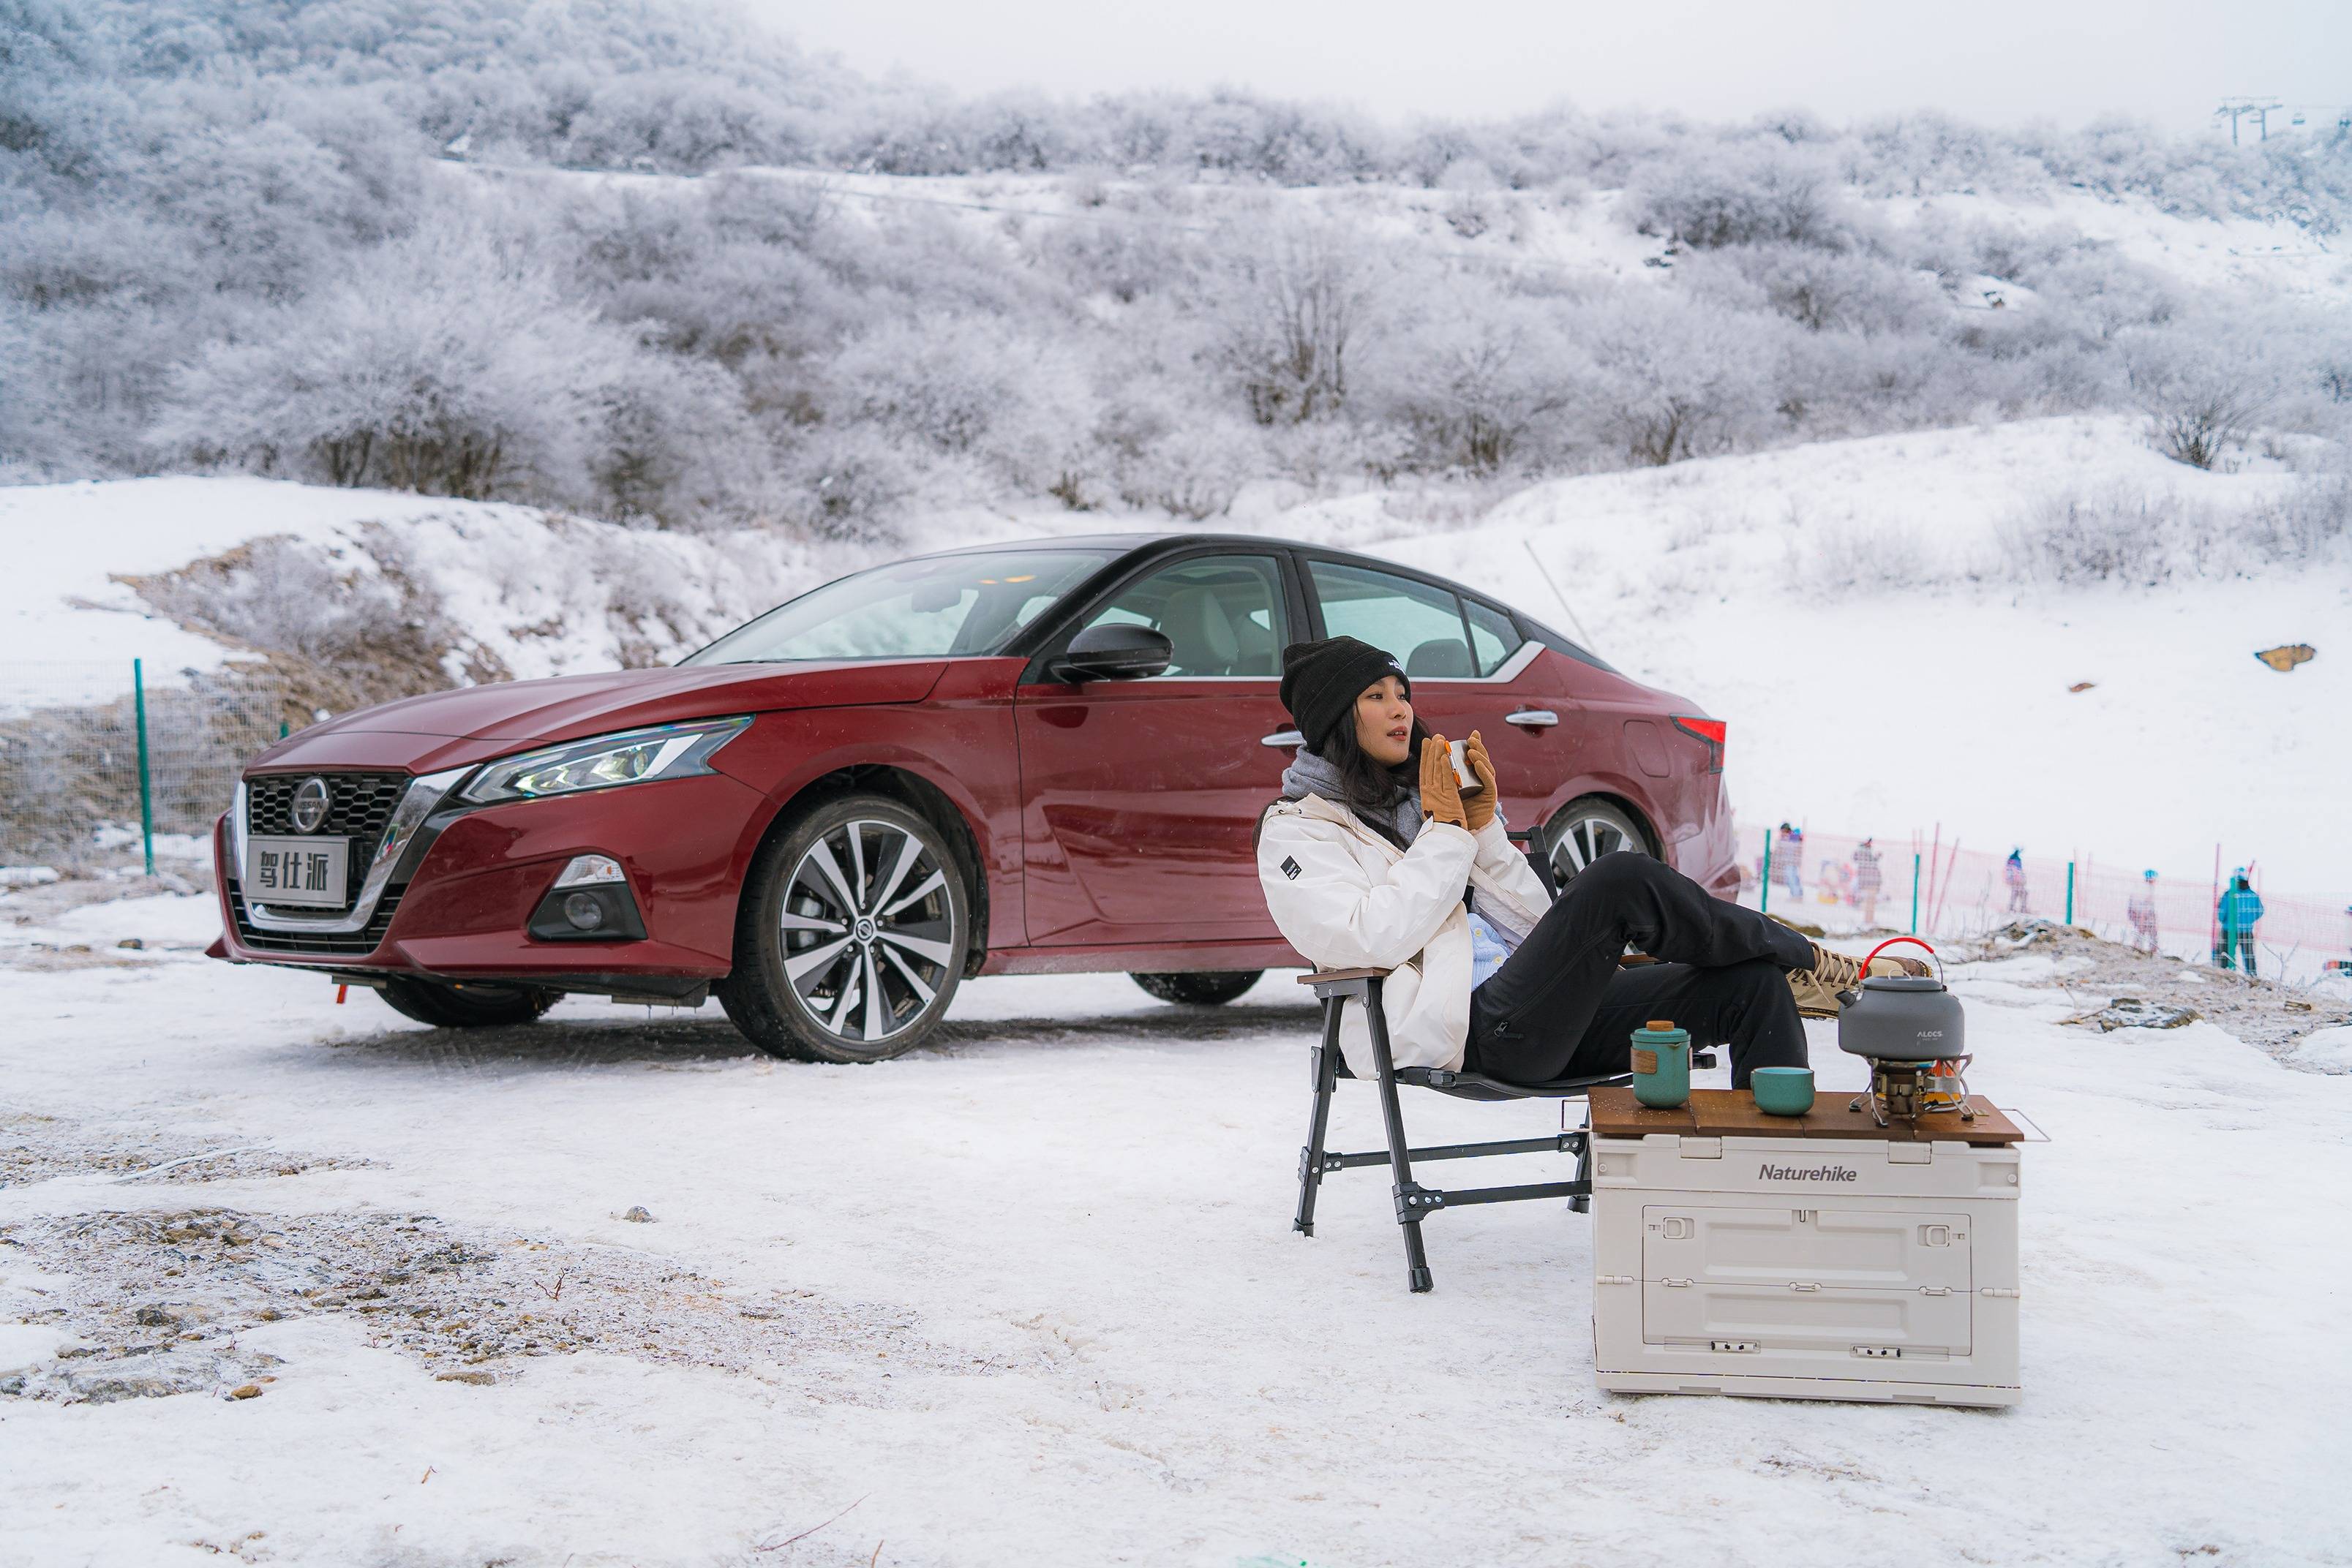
102,764
1930,886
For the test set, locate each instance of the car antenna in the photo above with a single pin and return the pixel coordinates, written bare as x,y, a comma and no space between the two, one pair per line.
1528,545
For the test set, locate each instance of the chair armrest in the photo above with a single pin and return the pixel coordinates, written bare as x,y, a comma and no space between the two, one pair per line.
1317,976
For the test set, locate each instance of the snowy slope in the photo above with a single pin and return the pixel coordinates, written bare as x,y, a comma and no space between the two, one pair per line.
531,592
1854,707
1869,709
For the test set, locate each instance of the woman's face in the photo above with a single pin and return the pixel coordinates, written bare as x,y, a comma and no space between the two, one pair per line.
1384,722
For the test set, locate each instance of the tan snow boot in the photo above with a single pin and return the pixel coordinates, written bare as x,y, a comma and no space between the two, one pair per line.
1817,988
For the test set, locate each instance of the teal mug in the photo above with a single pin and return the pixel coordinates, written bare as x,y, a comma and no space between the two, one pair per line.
1661,1065
1782,1091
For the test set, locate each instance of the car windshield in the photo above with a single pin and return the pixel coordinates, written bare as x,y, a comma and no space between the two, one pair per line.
936,607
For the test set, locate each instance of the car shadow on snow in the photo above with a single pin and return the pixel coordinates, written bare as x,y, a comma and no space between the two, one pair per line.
703,1039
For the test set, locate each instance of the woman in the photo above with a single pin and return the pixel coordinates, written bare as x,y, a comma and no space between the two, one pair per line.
1373,858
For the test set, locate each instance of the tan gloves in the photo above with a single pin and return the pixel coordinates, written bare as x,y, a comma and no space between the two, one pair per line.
1480,808
1441,797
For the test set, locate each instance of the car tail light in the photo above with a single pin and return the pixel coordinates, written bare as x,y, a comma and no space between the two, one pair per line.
1710,730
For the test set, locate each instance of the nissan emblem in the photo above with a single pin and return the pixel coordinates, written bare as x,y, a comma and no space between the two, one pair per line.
309,808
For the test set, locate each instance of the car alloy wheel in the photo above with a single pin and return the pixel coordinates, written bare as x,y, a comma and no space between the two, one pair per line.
853,935
1586,830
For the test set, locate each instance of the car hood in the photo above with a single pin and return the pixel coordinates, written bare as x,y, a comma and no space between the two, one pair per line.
449,729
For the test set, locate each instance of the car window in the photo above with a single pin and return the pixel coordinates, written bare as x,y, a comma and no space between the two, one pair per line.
1222,614
934,606
1492,638
1421,624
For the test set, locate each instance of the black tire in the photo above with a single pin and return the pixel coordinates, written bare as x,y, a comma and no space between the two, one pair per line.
866,968
470,1006
1586,829
1206,989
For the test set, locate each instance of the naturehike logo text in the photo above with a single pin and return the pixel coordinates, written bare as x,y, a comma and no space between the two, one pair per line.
1290,868
1818,1173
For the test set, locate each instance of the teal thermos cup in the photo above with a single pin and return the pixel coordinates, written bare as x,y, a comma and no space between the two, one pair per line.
1661,1065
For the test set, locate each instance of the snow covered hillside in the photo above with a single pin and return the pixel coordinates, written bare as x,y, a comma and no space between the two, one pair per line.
1868,616
520,591
1881,620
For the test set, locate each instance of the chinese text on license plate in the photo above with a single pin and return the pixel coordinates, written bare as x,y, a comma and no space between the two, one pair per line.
297,871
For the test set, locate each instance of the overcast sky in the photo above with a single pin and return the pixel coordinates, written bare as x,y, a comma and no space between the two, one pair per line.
2166,60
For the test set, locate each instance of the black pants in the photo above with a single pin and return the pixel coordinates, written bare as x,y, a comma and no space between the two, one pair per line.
1561,1007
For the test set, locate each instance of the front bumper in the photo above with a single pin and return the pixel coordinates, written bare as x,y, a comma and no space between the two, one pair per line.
449,891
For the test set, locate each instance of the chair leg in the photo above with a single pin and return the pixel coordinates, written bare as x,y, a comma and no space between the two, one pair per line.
1416,1259
1581,1203
1325,1065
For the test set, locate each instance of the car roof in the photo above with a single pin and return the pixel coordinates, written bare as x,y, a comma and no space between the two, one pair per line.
1126,544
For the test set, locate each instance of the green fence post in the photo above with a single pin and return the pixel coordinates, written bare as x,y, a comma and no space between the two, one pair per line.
2069,892
1915,893
1764,896
146,780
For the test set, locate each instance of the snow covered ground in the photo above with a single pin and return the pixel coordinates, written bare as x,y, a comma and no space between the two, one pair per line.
1031,1298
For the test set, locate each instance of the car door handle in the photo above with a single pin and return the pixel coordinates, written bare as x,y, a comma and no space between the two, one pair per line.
1282,738
1533,718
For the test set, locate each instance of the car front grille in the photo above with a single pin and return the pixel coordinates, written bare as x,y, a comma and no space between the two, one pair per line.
358,807
325,944
358,804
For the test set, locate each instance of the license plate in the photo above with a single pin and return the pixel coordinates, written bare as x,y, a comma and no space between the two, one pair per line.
297,871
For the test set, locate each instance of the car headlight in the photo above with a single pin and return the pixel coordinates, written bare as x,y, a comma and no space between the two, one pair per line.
632,757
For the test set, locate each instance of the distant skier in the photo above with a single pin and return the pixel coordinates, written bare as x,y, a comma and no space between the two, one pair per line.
2013,873
2239,909
2141,912
1790,852
1866,881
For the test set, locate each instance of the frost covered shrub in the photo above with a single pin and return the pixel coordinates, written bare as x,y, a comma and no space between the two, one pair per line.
847,482
447,364
1477,381
2074,538
1743,193
365,635
1674,380
1821,290
2117,535
2201,392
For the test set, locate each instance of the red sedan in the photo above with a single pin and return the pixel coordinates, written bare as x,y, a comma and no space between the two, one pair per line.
1026,758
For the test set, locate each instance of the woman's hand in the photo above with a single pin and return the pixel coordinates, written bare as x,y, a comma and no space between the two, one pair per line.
1441,796
1480,806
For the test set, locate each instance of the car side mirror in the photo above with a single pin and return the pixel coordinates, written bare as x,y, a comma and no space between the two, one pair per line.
1114,651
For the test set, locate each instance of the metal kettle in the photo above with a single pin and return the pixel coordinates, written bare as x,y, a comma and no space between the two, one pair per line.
1901,1018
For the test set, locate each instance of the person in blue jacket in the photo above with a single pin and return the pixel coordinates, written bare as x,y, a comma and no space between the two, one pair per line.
2239,908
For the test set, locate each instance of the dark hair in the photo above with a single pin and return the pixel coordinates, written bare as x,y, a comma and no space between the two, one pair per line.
1368,786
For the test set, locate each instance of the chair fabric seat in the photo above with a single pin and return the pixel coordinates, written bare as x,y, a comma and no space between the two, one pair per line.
1478,1086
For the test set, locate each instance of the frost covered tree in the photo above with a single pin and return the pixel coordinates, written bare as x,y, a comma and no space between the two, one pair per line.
1291,299
2202,390
1675,380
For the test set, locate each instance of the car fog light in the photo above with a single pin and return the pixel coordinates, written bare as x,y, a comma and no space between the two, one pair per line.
588,871
583,910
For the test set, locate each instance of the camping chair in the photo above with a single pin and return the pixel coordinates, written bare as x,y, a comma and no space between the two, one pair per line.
1334,989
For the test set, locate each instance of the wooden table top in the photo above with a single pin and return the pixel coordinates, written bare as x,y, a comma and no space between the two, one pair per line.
1732,1113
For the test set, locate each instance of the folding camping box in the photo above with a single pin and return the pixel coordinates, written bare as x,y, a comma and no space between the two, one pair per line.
1819,1257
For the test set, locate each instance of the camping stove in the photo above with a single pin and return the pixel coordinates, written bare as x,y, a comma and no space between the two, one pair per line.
1906,1091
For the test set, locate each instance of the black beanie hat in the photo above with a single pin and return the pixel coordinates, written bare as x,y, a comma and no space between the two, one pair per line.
1321,681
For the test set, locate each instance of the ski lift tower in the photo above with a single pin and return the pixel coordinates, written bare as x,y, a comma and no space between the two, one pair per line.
2260,105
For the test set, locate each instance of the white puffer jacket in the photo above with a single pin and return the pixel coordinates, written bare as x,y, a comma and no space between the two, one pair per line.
1348,899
